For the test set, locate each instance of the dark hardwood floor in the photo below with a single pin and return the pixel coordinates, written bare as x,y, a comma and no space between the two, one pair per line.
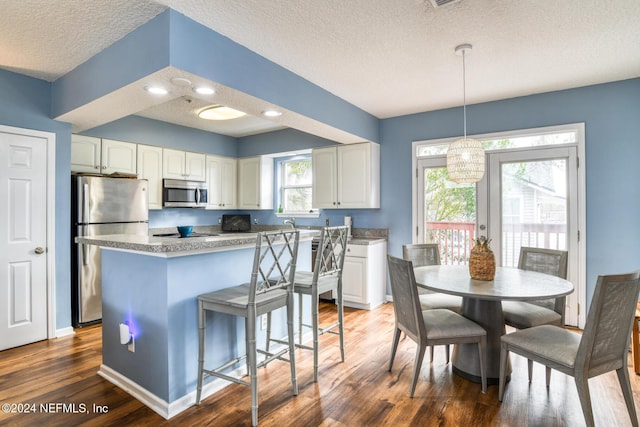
61,374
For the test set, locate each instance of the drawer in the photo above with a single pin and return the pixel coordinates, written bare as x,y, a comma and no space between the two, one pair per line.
361,251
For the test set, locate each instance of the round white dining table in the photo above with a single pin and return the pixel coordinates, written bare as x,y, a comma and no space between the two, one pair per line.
481,302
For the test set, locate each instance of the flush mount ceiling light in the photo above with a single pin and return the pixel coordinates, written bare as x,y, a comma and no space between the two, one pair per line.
271,113
156,90
180,81
465,157
204,90
220,112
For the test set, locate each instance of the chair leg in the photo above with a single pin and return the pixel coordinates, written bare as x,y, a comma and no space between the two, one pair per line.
582,385
447,352
504,357
636,345
416,366
627,392
201,343
250,330
300,332
530,368
292,343
548,375
431,349
315,326
341,323
394,346
482,352
268,343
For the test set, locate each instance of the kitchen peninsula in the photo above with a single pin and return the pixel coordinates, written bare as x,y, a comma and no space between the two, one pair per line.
151,284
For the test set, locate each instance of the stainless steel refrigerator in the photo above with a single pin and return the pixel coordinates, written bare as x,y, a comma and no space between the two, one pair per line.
99,206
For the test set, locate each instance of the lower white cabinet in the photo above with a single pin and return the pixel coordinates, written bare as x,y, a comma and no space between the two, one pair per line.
364,275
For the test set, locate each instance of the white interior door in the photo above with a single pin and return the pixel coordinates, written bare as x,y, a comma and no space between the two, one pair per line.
23,239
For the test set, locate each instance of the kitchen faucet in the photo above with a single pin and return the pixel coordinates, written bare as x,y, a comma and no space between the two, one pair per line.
291,221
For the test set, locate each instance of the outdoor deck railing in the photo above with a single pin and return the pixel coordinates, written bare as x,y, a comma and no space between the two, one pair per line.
456,239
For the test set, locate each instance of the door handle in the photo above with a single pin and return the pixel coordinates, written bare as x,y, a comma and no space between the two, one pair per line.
39,250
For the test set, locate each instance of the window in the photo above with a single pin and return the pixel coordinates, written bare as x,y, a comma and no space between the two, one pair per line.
295,185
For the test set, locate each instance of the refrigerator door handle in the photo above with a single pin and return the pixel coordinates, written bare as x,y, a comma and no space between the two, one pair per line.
85,203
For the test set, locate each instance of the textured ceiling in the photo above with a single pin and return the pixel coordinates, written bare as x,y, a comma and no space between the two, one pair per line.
388,57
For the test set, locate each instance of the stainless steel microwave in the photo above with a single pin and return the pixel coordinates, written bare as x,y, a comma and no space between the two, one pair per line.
177,193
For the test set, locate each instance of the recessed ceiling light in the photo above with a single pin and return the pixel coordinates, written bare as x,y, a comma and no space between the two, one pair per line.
271,113
180,81
220,112
204,90
156,90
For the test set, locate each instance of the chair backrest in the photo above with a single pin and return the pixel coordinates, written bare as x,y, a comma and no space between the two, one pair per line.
406,304
331,251
422,254
274,262
605,340
548,261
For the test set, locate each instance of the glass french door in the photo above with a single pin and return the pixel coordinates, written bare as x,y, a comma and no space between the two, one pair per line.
527,198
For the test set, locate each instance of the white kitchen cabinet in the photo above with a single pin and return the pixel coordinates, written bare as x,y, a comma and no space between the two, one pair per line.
255,183
105,156
150,168
178,164
347,176
364,275
222,182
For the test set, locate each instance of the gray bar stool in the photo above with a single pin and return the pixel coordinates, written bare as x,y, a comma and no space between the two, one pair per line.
270,288
326,276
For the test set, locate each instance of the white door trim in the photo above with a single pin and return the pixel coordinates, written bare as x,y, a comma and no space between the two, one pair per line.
50,137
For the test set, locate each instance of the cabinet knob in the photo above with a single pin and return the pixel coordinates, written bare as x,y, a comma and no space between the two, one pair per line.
39,250
334,203
96,167
104,167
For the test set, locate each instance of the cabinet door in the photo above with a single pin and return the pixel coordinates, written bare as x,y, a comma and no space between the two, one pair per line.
354,175
118,156
173,164
324,185
150,168
228,183
195,166
85,154
354,280
213,182
249,183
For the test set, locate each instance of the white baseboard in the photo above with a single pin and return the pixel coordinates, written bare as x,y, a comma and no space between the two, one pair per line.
162,407
64,332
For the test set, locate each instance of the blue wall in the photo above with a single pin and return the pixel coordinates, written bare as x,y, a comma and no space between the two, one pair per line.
25,102
611,115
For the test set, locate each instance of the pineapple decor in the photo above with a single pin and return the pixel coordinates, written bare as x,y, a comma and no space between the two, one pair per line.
482,263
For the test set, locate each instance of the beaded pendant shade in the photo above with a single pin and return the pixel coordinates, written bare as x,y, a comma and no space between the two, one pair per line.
465,157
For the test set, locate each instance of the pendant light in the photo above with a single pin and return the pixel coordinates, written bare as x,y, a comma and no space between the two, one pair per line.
465,157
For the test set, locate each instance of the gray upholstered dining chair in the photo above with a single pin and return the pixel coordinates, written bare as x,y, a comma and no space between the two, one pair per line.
602,347
270,288
326,276
429,254
421,254
521,314
428,327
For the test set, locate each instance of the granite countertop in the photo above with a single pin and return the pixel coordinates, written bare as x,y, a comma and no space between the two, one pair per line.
176,246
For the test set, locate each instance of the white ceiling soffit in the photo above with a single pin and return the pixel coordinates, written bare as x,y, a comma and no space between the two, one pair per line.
389,58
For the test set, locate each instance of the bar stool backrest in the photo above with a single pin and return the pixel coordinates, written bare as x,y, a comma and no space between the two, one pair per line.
331,251
274,263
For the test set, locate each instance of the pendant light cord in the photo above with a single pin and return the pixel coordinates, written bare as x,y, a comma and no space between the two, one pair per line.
464,94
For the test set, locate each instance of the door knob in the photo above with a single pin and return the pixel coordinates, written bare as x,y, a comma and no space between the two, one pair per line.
39,250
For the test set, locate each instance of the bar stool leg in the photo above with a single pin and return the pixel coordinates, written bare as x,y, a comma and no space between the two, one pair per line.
341,320
292,343
268,331
250,330
315,326
202,321
300,318
636,345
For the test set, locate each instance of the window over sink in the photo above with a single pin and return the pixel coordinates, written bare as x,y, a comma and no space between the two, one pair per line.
294,196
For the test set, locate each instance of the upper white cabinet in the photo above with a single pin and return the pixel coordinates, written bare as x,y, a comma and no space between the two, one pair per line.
178,164
255,183
150,168
347,176
222,182
90,154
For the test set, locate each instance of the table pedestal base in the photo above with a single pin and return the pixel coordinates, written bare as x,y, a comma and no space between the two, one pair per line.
465,360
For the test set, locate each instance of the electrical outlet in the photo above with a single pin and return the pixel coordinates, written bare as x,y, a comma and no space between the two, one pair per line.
219,220
263,322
